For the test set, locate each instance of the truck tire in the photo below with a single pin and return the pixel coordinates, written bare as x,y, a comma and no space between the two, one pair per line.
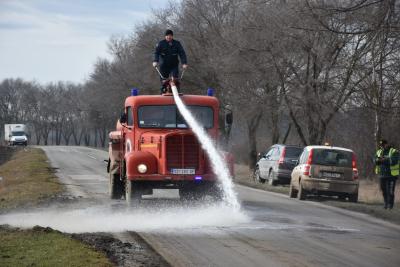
185,194
133,193
115,187
301,195
191,193
216,192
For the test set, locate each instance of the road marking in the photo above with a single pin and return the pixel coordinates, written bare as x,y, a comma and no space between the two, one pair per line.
90,156
87,177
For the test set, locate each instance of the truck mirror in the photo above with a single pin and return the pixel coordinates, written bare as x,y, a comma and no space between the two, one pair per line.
229,118
122,119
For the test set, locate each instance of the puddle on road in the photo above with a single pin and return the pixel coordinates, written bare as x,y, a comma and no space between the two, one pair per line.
118,218
166,216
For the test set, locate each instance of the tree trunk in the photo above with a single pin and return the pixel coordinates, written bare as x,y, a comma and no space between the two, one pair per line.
252,126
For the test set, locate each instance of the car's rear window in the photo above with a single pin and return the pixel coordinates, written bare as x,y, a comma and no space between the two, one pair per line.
332,157
293,152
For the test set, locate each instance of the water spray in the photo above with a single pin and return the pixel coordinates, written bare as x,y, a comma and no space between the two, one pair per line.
217,162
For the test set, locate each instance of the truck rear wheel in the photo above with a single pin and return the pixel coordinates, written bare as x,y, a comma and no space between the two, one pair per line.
116,187
133,193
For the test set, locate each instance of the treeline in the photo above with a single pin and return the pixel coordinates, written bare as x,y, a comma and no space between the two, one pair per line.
57,113
301,72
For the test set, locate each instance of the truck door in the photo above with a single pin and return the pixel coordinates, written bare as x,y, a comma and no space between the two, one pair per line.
129,131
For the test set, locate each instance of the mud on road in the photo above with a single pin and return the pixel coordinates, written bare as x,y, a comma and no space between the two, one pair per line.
134,253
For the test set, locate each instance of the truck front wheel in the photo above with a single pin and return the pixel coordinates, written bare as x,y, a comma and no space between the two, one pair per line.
116,187
133,193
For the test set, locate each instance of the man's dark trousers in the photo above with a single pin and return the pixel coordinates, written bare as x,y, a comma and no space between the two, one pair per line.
388,186
166,71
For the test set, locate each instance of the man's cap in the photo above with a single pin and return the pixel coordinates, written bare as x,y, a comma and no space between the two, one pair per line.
383,142
169,32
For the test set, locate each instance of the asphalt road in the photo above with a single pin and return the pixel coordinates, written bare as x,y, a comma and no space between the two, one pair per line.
280,231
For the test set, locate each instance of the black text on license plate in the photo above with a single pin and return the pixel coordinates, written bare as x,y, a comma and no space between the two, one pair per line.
183,171
331,174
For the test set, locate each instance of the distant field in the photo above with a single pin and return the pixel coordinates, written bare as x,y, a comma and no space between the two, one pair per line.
370,196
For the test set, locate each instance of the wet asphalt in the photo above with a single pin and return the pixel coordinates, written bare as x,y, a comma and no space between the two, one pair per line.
278,231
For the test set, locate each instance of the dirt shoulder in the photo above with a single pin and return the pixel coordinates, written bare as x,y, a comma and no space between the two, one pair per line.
369,201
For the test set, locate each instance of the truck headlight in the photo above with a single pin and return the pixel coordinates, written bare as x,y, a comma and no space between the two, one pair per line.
142,168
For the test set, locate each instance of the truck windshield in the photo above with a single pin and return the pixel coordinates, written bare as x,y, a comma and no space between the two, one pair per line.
18,133
168,116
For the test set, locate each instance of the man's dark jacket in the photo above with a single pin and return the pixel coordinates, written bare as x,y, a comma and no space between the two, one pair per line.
168,52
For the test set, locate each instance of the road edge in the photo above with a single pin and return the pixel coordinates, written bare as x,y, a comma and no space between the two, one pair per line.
353,214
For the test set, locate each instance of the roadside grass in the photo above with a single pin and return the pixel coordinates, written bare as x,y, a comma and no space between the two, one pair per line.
45,247
27,179
370,199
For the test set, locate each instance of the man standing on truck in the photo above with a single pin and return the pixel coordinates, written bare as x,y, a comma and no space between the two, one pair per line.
169,50
387,167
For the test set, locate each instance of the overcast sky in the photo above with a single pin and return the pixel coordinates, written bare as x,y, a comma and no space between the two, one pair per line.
52,40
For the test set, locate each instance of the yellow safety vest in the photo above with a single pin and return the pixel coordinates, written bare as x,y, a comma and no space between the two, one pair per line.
379,154
394,169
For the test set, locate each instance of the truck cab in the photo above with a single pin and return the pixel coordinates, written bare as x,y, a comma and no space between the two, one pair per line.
153,147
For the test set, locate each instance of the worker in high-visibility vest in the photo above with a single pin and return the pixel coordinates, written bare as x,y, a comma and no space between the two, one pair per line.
387,167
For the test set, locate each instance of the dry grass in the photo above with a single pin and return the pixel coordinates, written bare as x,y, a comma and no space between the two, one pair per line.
45,247
27,179
369,192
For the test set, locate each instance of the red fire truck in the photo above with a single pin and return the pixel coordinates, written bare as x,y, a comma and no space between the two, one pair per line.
153,147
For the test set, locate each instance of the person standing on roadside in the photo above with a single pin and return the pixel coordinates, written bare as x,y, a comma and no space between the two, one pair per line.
387,167
167,51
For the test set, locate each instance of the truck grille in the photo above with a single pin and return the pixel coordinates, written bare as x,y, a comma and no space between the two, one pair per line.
182,152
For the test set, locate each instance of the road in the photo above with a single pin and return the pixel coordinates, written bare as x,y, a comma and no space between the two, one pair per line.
280,231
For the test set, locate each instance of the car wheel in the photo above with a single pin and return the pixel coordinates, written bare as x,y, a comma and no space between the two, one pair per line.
257,177
353,198
271,177
292,192
301,195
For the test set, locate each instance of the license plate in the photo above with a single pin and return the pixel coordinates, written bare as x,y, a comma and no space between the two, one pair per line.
331,174
182,171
